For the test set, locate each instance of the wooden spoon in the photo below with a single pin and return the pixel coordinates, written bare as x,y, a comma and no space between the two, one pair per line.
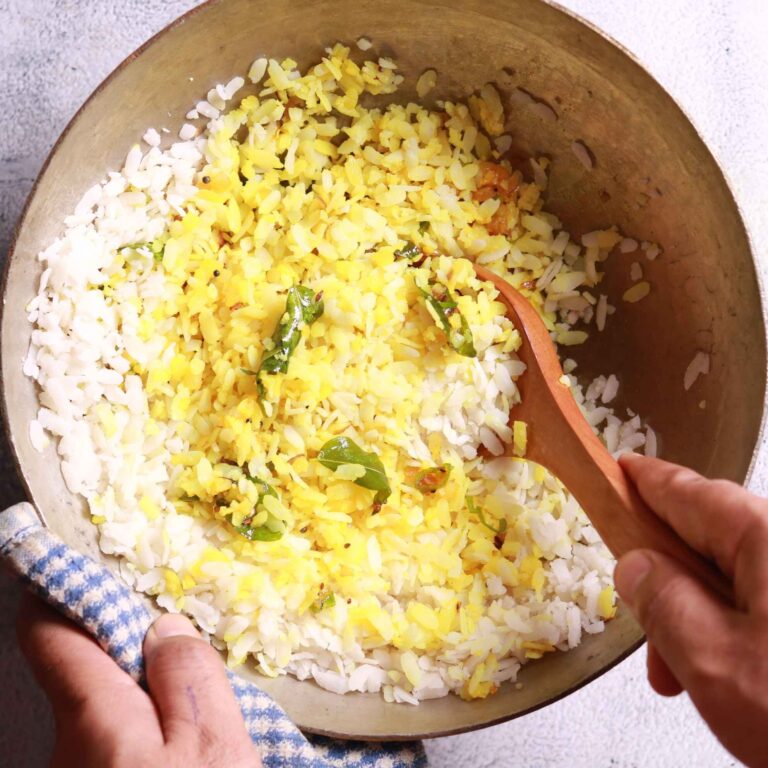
561,439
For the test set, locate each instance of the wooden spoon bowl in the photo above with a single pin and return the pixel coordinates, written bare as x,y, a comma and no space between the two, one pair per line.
561,439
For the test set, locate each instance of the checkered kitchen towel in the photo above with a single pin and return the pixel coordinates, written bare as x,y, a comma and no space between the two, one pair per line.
90,595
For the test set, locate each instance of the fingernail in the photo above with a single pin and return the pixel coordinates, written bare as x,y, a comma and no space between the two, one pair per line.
630,572
171,625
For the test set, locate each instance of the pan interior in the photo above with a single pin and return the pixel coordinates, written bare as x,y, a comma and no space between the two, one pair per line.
652,176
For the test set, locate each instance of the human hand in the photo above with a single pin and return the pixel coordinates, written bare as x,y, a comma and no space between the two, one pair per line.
189,718
696,641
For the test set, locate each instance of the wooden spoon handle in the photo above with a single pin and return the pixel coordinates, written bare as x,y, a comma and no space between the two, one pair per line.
621,517
629,523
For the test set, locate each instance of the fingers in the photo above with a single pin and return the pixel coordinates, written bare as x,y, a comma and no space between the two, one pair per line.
750,576
660,676
85,687
714,516
189,685
104,718
690,628
714,650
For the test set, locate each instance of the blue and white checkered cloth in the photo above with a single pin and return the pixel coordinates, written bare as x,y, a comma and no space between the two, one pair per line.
91,596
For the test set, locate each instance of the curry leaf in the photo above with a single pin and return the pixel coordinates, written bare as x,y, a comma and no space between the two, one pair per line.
302,307
445,312
339,451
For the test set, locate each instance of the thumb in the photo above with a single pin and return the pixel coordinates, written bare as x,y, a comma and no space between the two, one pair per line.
189,685
687,624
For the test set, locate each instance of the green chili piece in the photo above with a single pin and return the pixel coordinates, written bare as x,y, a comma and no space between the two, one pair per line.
156,248
478,513
324,600
444,307
339,451
430,479
261,532
264,488
409,251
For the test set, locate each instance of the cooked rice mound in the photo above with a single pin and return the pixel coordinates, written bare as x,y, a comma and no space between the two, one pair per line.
157,308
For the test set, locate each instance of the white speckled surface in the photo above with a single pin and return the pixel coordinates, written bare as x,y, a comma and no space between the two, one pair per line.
710,55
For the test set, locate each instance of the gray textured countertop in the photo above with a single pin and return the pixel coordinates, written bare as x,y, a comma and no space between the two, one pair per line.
710,55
